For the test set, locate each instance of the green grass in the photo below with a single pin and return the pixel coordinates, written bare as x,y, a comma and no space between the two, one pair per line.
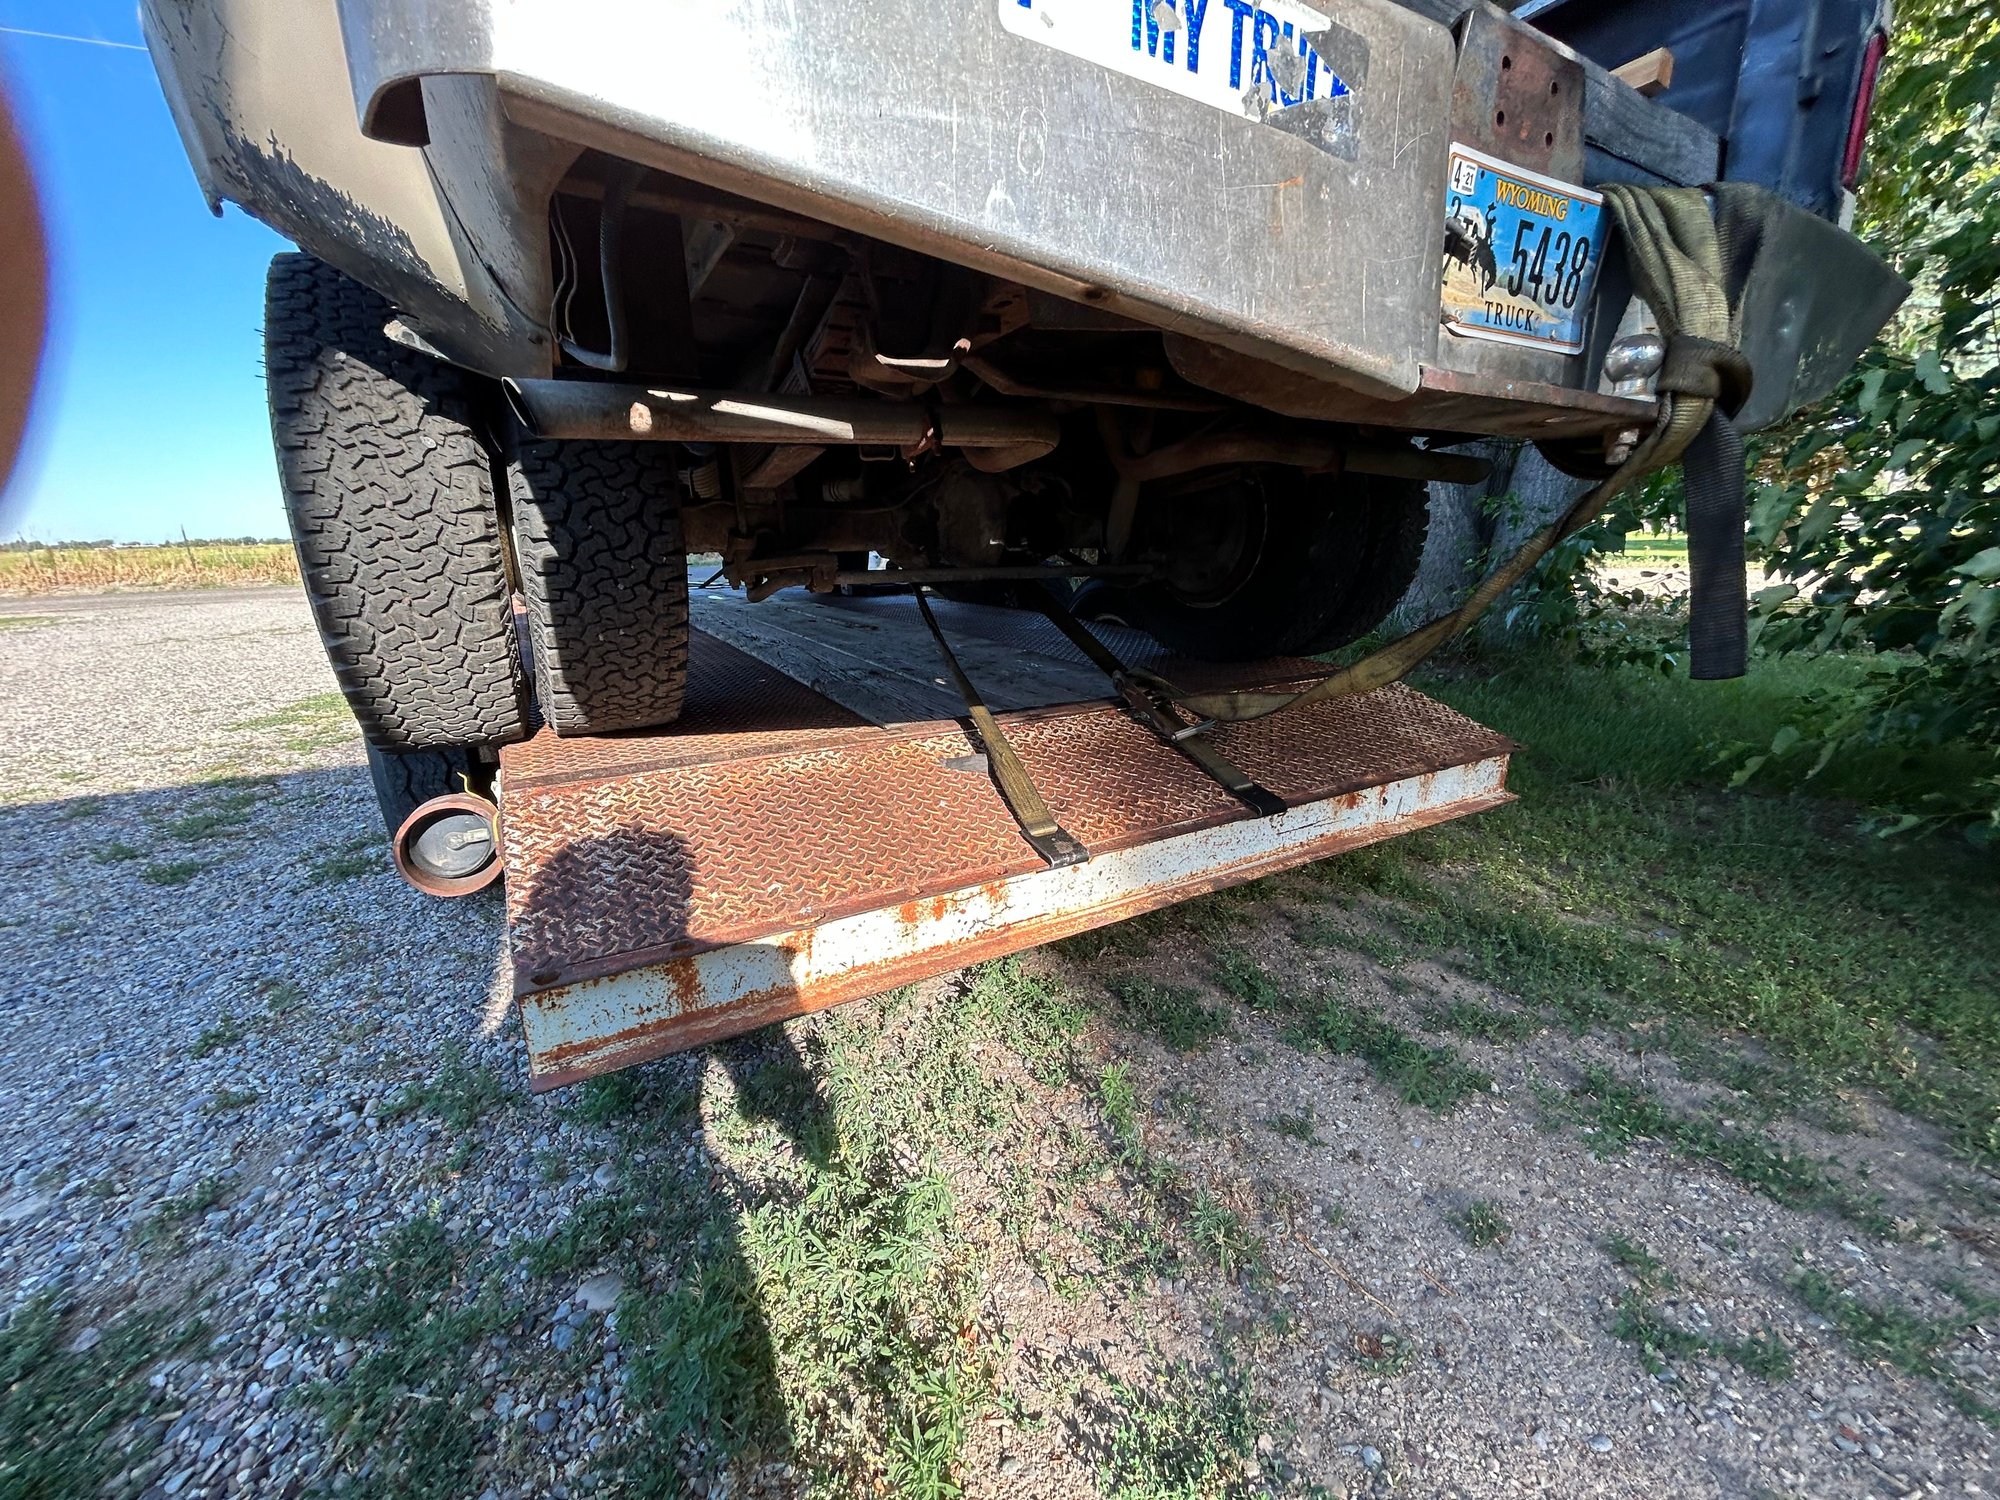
226,1031
1420,1073
1619,1114
1660,1342
1223,1239
1628,886
1485,1023
1030,1014
408,1404
25,622
1638,1322
115,852
71,1420
1301,1127
1482,1224
1433,1076
604,1100
1190,1435
1886,1333
281,996
1238,973
223,810
352,860
310,724
1633,1258
457,1094
164,1224
223,1101
1647,547
1175,1013
173,871
1118,1102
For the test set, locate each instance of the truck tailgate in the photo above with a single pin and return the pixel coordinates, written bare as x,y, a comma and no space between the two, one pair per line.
784,849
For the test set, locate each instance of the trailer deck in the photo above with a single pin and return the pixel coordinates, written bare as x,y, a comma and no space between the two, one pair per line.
821,825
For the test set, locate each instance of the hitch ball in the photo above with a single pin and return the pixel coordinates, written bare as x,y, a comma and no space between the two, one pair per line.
450,846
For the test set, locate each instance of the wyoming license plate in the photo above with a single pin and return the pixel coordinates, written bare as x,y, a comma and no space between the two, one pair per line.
1520,254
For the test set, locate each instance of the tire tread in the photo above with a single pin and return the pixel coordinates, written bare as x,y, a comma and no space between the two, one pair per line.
389,491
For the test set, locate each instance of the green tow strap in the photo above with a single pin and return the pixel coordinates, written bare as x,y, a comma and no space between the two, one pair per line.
1678,250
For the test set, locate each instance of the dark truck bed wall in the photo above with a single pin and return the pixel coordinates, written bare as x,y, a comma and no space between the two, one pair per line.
1775,79
1763,90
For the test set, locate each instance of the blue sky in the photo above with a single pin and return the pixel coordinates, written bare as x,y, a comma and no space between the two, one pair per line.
150,417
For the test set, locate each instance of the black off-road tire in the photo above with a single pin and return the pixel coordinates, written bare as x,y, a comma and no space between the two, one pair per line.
1383,547
1334,558
597,538
390,493
406,780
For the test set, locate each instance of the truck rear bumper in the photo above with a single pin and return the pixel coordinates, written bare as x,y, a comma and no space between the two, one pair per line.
777,853
963,131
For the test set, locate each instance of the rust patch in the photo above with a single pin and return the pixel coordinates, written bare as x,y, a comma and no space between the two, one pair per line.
646,1041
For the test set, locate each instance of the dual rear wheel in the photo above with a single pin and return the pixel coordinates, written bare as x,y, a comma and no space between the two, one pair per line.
471,583
467,584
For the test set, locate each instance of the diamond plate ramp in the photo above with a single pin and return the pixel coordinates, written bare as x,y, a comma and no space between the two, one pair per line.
774,854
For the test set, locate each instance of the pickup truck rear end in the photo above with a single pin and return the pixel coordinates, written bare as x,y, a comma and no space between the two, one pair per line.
1158,314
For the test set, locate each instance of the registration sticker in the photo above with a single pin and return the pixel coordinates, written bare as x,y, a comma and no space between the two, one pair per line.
1520,253
1275,61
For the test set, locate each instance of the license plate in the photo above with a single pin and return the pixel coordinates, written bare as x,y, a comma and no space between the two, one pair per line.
1521,253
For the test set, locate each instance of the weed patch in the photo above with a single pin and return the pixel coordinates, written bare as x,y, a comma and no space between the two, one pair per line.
404,1418
1482,1224
605,1099
70,1417
1884,1332
173,871
1300,1127
457,1094
1433,1076
1640,1323
1118,1101
1220,1235
352,860
1484,1023
1190,1436
226,1031
310,724
1174,1013
1626,886
1029,1014
1383,1355
1617,1114
164,1224
1238,973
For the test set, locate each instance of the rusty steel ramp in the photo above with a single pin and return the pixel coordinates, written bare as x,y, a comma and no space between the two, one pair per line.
783,849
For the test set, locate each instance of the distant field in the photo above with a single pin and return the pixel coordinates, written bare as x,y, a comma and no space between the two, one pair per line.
191,565
1642,547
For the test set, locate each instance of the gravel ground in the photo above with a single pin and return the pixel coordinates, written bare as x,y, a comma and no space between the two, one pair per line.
216,993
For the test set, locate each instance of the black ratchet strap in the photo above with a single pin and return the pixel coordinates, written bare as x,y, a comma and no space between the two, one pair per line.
1017,788
1153,709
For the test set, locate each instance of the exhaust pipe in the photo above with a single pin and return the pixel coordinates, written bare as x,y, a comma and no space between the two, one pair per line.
608,412
450,846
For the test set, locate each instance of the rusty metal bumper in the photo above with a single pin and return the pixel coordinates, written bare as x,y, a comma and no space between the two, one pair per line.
776,855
